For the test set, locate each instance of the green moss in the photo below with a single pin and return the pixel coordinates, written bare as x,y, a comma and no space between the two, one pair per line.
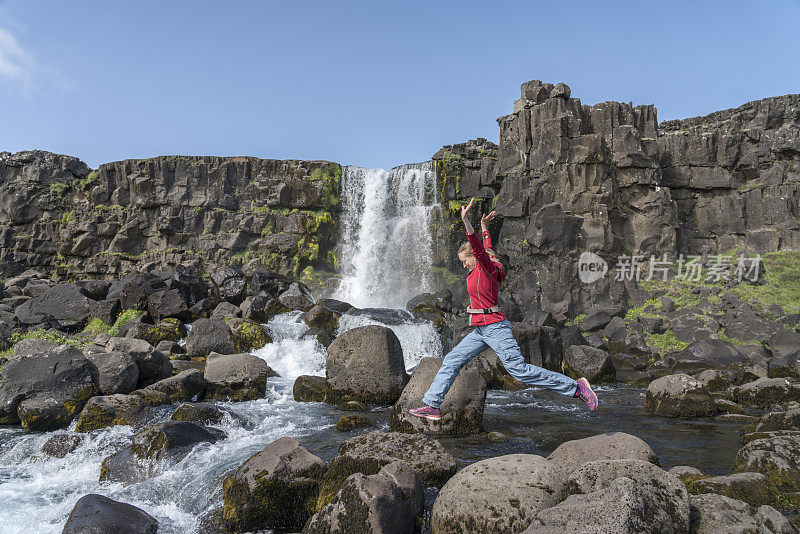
351,422
67,217
494,202
97,326
577,320
639,311
666,342
331,177
85,183
58,339
122,319
59,189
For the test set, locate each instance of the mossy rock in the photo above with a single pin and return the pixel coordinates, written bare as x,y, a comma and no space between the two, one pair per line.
753,488
338,471
309,388
169,329
323,318
49,413
110,410
351,422
247,334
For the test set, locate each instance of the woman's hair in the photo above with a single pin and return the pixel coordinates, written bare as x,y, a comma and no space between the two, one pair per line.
467,248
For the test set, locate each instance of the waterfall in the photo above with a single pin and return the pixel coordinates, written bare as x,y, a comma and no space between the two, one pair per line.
386,246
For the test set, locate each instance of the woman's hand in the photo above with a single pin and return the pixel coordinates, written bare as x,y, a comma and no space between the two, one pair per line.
465,209
485,221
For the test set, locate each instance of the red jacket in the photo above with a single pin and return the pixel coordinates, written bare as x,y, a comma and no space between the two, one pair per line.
483,282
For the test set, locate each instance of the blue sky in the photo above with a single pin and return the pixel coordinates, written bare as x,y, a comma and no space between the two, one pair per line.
374,84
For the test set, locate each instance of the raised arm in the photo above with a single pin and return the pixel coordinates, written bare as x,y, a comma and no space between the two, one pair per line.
477,247
487,237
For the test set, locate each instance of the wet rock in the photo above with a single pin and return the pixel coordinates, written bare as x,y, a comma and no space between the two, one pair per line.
715,380
584,361
713,514
369,452
247,334
679,395
777,457
725,406
323,318
389,502
275,488
110,410
117,372
237,377
788,420
309,388
766,392
97,514
297,297
60,445
153,365
609,446
44,386
151,447
351,422
354,406
209,335
184,386
462,409
497,495
202,414
229,284
753,488
365,364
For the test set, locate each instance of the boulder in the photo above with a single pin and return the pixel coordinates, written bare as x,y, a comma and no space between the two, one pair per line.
96,514
753,488
117,372
209,335
596,321
784,343
237,377
44,386
766,392
151,447
275,488
679,395
352,422
365,364
714,353
226,310
229,284
323,318
60,445
168,329
776,457
389,502
184,386
247,334
110,410
369,452
133,291
491,369
153,365
462,409
498,494
714,514
609,446
788,420
167,303
202,414
62,305
297,297
686,473
585,361
308,388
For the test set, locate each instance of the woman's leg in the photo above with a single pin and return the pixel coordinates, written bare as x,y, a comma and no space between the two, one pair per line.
468,348
501,339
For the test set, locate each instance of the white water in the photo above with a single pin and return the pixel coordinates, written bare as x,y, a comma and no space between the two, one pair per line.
386,245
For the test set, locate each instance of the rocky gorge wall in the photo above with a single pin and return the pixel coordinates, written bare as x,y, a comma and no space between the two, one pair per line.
608,178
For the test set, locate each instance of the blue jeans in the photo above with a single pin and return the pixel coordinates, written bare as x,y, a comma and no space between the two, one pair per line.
498,337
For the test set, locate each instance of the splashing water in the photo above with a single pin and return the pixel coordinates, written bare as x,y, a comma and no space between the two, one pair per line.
387,246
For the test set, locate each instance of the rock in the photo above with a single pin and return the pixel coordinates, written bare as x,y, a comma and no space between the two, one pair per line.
153,365
785,366
151,447
609,446
753,488
110,410
167,303
209,335
714,353
656,485
713,514
351,422
497,495
715,380
625,506
596,321
388,502
229,284
96,514
784,343
725,406
679,395
686,472
365,364
354,406
60,445
324,318
63,303
226,310
237,377
44,386
117,372
369,452
766,392
184,386
585,361
491,369
297,297
202,414
788,420
169,329
777,457
462,409
247,334
275,488
133,292
309,388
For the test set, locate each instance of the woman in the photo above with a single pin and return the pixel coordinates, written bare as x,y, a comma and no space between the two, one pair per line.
492,330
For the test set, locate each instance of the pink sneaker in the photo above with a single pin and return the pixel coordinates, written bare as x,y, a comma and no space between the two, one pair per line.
427,412
586,394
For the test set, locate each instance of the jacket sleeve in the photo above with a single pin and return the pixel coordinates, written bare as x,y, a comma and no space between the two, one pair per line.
487,239
484,261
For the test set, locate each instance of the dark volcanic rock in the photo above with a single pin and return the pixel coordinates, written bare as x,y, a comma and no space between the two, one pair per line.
97,514
117,372
309,388
210,335
584,361
229,284
63,303
237,377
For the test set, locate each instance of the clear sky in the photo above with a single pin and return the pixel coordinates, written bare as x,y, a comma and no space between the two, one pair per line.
373,83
